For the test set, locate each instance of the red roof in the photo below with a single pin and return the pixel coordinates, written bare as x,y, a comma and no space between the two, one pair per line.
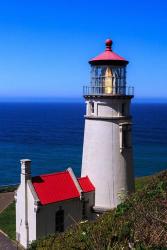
55,187
86,184
60,186
108,56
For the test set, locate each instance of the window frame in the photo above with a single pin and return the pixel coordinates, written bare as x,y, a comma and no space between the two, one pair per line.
125,135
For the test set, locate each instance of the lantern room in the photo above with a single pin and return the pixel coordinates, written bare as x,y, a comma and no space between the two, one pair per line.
108,74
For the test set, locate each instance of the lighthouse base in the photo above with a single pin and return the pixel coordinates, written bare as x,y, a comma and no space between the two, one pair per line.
100,210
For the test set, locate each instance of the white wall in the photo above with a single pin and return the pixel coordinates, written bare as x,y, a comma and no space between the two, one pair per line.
25,232
107,108
110,170
19,201
21,223
46,216
31,216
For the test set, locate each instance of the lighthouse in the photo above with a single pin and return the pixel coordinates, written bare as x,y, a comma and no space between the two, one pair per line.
107,149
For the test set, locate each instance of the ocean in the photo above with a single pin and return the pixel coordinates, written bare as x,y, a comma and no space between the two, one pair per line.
51,135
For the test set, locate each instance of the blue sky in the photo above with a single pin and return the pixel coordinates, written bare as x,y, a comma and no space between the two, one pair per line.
45,45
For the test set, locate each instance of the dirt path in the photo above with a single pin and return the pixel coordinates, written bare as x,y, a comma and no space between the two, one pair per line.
5,200
6,243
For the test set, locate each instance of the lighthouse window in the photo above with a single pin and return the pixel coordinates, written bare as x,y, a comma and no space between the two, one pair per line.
125,138
92,108
125,141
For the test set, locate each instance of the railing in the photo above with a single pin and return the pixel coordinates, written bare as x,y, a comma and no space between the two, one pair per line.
108,90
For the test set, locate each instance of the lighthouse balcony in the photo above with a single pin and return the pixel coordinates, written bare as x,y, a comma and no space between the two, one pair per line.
108,91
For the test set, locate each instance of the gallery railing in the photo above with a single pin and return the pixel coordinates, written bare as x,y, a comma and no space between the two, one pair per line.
108,90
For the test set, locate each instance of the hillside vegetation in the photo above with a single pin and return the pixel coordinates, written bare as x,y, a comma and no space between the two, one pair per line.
10,188
138,223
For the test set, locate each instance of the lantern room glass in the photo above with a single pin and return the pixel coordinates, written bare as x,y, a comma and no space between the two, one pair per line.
108,79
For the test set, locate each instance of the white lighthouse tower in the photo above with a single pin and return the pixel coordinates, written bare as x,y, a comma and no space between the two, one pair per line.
107,150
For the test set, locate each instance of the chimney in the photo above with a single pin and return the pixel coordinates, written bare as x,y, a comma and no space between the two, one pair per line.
25,169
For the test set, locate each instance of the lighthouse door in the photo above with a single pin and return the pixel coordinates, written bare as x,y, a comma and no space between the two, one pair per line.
108,81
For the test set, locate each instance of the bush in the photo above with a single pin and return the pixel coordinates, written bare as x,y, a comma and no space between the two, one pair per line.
139,223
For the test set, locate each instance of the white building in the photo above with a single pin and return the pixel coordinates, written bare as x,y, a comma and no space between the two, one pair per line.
50,203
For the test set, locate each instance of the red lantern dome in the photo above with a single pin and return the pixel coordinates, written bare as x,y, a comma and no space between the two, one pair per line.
108,57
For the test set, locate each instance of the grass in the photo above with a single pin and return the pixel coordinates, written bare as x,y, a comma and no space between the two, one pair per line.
141,182
7,221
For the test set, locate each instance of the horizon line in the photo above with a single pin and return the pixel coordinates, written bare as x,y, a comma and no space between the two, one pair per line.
73,100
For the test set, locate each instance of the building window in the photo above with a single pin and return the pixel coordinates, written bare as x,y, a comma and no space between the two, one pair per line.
84,209
59,220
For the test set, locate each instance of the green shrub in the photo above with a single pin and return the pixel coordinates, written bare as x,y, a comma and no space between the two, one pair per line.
139,223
